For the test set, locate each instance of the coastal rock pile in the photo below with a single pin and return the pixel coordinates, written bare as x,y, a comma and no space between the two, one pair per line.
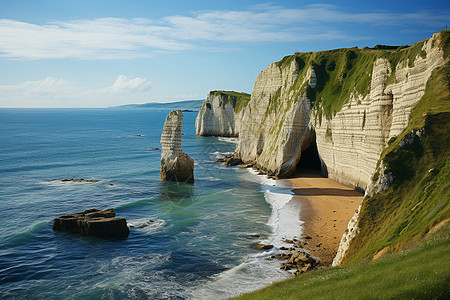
175,164
296,259
299,261
230,160
93,222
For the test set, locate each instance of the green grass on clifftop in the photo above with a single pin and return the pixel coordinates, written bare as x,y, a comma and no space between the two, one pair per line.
237,100
423,273
343,72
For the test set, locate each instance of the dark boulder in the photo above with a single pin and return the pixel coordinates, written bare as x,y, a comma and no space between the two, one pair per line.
93,222
233,161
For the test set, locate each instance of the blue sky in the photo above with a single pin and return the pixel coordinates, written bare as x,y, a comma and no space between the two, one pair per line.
105,53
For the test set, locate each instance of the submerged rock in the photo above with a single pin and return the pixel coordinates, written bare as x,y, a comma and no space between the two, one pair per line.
93,222
175,164
79,180
263,246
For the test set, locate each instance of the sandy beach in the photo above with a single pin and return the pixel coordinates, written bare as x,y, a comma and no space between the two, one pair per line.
326,209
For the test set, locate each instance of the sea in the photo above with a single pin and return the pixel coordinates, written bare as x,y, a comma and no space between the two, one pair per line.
186,241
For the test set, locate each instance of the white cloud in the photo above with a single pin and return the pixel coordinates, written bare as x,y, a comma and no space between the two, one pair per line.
120,38
53,92
47,89
127,85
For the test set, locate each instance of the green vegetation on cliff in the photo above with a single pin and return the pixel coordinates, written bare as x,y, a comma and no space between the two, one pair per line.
237,100
342,73
420,195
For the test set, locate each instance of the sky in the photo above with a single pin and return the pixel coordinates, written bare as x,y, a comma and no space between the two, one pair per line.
88,53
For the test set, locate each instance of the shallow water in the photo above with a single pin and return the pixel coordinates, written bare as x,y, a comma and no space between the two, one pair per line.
198,240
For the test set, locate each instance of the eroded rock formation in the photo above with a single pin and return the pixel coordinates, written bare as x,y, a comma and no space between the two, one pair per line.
221,114
175,164
354,101
93,222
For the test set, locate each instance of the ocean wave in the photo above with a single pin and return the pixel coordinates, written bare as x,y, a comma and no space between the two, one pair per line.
258,270
146,225
139,203
229,140
252,274
16,238
35,167
285,216
219,154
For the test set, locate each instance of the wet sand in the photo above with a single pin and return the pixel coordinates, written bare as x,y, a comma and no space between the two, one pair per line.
326,209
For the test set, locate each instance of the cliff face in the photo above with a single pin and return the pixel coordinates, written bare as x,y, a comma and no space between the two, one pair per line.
220,114
175,164
276,127
350,101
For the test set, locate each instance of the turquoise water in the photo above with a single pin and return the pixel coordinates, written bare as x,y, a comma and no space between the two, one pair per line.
198,240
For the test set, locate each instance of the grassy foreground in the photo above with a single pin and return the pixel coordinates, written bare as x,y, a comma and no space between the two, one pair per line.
423,273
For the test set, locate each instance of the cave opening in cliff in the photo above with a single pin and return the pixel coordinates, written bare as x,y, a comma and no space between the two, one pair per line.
309,158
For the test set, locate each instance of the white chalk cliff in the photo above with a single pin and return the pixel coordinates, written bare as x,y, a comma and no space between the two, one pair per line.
350,102
281,119
175,164
221,113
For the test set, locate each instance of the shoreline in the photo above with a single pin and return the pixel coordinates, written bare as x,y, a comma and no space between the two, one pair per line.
326,209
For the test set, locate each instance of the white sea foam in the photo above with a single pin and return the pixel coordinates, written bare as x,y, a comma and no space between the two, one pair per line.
229,140
258,270
146,225
218,154
252,274
285,217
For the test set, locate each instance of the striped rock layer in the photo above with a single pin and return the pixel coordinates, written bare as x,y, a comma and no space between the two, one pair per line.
175,164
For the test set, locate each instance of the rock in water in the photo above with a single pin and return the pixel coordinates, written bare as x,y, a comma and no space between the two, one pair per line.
175,164
93,222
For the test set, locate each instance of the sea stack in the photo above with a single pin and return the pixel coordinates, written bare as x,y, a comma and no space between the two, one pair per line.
175,164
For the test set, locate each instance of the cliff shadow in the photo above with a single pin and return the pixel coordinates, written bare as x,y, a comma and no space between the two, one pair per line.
327,192
310,162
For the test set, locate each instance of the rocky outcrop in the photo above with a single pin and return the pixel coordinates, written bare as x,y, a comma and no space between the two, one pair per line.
221,113
175,164
297,260
383,177
93,222
350,101
347,237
